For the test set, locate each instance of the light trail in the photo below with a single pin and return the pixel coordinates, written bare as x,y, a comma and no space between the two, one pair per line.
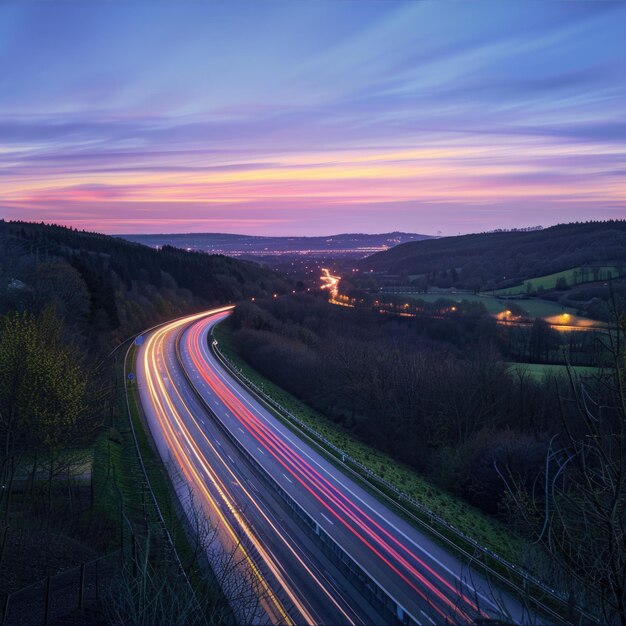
173,414
160,397
330,282
249,531
441,596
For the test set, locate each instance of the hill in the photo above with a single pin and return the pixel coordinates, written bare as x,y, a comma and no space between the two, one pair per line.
106,288
71,479
503,259
350,245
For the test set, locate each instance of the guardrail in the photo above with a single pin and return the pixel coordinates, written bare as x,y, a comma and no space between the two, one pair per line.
371,478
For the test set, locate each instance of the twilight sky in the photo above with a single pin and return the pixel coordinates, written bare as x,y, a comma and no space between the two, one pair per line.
312,116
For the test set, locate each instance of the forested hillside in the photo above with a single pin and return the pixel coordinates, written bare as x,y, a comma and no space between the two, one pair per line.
106,288
68,464
499,259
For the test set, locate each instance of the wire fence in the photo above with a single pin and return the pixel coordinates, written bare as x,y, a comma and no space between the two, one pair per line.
74,595
72,591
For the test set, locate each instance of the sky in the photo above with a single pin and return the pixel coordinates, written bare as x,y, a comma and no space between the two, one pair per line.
312,117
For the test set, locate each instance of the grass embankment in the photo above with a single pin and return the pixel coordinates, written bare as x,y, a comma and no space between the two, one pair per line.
483,529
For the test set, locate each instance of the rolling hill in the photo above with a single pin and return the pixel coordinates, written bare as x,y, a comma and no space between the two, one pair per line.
106,288
503,259
349,245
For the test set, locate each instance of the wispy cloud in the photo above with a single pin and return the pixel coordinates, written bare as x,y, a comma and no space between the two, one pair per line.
307,117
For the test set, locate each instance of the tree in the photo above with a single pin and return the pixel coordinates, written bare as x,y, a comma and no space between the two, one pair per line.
543,338
561,284
577,507
43,392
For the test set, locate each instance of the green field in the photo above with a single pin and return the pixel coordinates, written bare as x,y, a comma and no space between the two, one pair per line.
534,307
539,370
573,276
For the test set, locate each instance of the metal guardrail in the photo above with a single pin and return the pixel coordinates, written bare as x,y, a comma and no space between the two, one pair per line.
372,478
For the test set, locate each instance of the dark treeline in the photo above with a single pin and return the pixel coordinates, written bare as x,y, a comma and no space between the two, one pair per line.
501,259
434,393
524,340
107,288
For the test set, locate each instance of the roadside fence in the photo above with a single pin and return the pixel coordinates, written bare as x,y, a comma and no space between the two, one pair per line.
70,592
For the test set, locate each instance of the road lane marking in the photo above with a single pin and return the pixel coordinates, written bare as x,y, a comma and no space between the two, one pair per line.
287,477
328,520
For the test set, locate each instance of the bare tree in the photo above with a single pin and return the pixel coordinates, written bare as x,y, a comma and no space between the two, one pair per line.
219,579
226,565
577,508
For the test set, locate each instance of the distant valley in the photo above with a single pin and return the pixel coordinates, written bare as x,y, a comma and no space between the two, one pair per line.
351,245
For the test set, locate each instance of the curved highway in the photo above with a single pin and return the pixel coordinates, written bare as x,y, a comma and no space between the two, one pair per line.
244,467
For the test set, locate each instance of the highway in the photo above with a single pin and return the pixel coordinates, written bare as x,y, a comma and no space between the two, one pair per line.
250,474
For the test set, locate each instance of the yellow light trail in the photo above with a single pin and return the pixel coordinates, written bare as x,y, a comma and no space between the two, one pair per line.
278,613
201,459
330,282
157,390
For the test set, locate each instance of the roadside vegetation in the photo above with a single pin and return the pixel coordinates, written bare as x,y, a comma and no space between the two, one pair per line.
47,424
73,489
